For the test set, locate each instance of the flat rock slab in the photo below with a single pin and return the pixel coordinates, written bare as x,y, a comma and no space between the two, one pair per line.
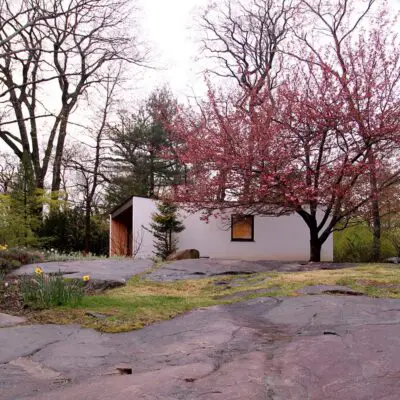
245,293
310,347
108,270
329,289
196,269
10,320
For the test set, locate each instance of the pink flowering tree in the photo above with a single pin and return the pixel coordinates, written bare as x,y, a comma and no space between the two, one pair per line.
323,145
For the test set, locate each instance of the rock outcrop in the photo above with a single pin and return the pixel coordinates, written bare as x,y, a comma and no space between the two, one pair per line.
184,255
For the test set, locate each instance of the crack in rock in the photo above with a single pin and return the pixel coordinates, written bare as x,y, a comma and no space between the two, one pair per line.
331,333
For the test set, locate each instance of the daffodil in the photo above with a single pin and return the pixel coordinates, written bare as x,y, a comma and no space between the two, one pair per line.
86,278
38,271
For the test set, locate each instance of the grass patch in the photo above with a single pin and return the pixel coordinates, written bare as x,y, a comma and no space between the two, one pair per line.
139,303
142,302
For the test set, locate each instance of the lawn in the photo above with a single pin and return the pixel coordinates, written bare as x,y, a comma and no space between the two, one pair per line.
142,302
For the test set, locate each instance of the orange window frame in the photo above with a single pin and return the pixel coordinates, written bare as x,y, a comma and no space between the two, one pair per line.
242,228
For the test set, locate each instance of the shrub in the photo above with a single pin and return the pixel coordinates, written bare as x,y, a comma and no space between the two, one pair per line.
46,291
354,244
55,255
64,230
15,257
2,276
7,265
17,224
23,255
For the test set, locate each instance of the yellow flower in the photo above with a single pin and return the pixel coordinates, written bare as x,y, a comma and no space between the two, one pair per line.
86,278
38,271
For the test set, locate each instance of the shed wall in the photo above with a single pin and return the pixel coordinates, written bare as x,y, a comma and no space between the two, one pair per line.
142,239
283,238
119,245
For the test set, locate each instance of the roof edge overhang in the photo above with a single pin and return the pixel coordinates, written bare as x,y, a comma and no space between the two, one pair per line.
121,208
126,204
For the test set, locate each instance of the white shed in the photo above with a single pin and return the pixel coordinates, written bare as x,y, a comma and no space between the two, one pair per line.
256,237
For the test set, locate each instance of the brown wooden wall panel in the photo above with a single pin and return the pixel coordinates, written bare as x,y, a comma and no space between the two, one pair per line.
119,239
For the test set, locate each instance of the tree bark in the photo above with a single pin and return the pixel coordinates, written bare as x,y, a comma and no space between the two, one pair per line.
375,212
88,232
152,173
376,231
316,240
315,246
56,183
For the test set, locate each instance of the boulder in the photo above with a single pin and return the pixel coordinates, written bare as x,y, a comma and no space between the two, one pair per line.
184,255
96,315
101,285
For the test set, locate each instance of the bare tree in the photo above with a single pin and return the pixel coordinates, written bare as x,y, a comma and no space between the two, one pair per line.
8,171
89,162
49,66
19,16
245,38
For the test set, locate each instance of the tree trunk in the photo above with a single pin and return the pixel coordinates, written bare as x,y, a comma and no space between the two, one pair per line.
151,183
315,246
56,184
316,241
62,134
87,228
376,231
376,218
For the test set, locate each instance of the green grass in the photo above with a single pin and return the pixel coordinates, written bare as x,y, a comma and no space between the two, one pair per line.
142,302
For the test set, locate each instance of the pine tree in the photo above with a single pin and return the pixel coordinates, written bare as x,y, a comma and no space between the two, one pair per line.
164,227
140,145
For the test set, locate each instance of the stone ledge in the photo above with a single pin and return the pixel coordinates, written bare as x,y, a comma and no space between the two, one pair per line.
329,289
7,320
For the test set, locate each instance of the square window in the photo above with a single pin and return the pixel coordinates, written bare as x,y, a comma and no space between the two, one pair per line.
242,228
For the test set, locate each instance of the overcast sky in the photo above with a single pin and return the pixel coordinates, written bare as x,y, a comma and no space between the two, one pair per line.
169,30
168,26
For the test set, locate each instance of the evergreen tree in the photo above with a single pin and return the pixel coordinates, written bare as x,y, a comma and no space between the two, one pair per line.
164,227
64,229
139,145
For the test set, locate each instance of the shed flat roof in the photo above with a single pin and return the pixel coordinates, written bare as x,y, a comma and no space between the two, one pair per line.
125,202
